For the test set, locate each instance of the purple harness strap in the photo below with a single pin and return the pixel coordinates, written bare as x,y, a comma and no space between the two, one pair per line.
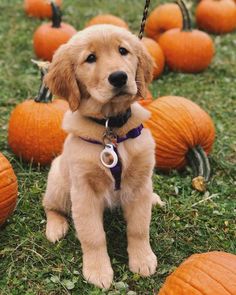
117,170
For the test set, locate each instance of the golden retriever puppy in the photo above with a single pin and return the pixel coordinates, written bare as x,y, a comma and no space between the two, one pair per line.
102,71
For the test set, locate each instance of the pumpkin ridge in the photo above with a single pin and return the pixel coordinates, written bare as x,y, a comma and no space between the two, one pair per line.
39,132
170,120
28,123
10,177
224,266
180,126
7,169
192,121
173,109
6,188
187,283
8,184
214,279
192,286
8,208
173,141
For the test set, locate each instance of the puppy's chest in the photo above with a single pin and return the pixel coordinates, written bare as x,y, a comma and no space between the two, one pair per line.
136,164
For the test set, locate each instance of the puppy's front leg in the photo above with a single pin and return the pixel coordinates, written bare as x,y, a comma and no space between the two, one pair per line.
138,215
87,213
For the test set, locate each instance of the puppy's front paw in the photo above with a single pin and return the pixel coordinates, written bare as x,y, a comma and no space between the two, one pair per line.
97,270
142,262
56,228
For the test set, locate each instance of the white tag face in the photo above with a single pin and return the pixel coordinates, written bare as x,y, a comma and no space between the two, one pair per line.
108,156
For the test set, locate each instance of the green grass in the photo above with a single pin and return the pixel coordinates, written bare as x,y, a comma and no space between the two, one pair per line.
188,224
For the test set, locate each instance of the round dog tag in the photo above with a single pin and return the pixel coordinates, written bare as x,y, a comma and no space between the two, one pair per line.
108,156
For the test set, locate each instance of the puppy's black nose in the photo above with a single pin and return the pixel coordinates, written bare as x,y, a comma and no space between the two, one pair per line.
118,79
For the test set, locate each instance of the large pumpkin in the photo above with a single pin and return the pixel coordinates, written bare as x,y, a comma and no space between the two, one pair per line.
49,36
212,273
216,16
164,17
39,8
157,54
107,19
187,50
35,132
184,133
8,189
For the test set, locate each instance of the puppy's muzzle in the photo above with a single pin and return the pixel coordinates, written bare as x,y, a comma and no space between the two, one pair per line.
118,79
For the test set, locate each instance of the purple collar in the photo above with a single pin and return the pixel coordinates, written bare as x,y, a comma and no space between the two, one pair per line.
133,133
117,170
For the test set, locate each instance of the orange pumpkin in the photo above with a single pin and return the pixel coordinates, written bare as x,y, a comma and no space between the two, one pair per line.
107,19
35,132
164,17
187,50
147,100
48,37
157,54
39,8
8,189
183,133
211,273
216,16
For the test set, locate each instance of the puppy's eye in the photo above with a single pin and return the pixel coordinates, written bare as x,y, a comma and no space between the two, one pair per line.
123,51
91,58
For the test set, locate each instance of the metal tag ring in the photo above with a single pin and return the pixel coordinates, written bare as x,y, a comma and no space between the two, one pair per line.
109,150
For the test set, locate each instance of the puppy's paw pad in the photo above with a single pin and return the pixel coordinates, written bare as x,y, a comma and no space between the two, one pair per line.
99,274
56,230
145,265
156,200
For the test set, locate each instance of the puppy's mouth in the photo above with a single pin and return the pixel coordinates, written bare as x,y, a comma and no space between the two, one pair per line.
123,93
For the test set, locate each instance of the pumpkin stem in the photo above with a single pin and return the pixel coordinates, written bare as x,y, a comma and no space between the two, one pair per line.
200,165
187,25
44,94
56,15
207,168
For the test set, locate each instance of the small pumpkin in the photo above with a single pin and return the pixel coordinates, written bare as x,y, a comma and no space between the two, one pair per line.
39,8
187,50
211,273
147,100
48,37
8,189
157,54
184,133
216,16
35,132
164,17
107,19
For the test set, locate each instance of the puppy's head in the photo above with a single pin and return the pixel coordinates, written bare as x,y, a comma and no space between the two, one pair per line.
100,66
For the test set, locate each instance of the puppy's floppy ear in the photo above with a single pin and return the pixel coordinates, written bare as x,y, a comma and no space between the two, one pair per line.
61,79
144,72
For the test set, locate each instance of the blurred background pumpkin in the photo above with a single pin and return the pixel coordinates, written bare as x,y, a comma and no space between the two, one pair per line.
8,189
107,19
39,8
216,16
163,18
187,50
50,36
157,54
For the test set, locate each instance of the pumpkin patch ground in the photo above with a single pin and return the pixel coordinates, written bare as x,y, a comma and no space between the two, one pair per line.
190,223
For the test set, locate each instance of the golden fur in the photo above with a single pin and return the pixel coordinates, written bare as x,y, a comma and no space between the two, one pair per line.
78,182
